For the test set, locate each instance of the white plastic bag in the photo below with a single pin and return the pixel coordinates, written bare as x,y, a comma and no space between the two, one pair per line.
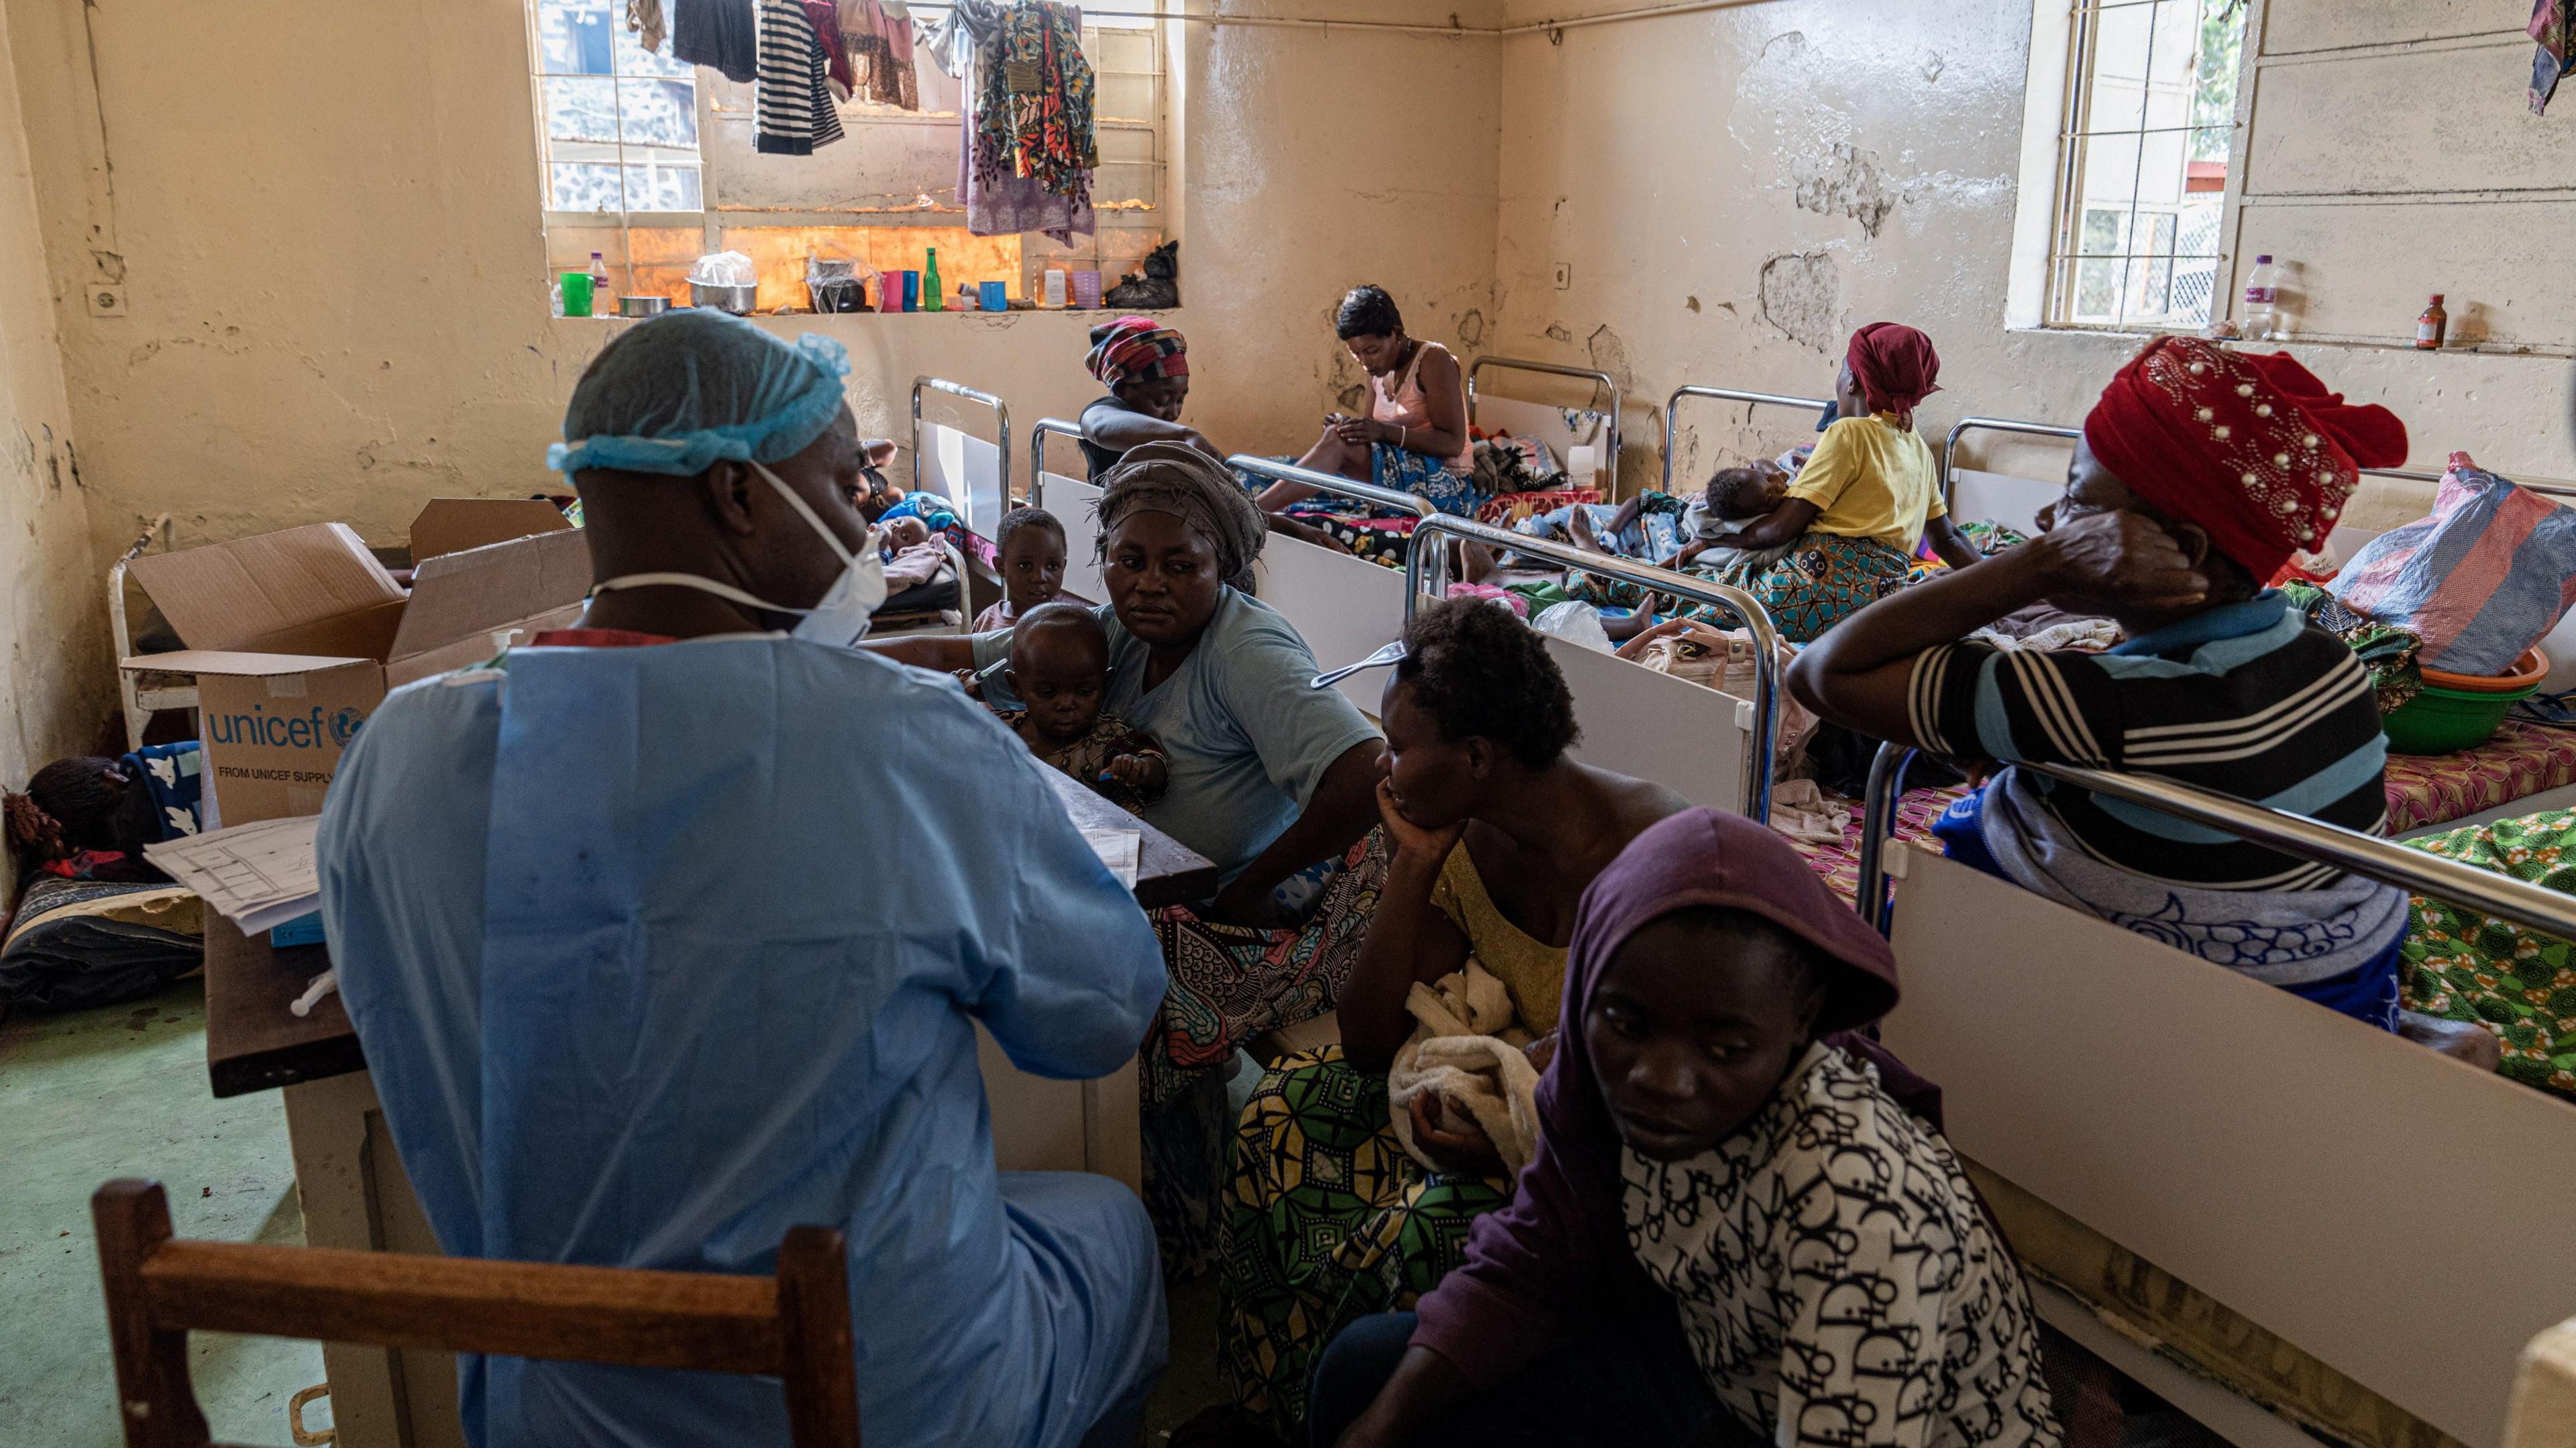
725,269
1576,623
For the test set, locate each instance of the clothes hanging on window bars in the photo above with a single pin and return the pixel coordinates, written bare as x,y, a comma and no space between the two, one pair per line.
644,21
825,17
721,34
796,113
1033,109
878,39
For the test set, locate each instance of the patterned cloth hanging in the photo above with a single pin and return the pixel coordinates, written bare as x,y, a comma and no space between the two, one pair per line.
2553,25
878,40
1033,117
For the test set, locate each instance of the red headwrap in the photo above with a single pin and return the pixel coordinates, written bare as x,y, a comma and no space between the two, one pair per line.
1895,367
2251,447
1134,347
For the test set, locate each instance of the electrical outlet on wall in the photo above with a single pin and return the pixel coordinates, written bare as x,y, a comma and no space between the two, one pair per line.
1564,275
106,299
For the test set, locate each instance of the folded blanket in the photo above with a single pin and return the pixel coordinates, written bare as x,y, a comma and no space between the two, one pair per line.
1467,1051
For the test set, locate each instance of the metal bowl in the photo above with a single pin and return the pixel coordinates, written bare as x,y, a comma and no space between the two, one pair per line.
643,306
737,300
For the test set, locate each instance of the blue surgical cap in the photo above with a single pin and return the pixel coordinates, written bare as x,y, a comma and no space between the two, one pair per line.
686,390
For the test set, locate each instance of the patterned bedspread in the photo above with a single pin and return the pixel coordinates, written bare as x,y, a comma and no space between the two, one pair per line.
2521,761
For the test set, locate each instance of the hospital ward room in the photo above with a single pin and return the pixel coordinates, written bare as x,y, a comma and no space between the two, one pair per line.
1288,724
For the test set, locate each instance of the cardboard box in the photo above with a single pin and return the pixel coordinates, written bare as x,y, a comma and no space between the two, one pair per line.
294,638
460,525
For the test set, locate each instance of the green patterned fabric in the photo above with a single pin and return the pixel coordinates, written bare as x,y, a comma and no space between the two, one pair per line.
2465,966
2390,654
1326,1221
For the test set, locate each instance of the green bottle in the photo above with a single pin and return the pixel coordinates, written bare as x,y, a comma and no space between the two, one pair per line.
931,300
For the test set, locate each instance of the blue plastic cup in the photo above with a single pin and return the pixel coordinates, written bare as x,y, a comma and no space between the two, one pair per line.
912,291
996,297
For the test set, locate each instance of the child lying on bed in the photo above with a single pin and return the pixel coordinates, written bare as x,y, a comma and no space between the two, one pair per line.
1060,669
1736,500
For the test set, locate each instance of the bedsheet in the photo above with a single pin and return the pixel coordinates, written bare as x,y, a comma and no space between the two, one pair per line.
2521,761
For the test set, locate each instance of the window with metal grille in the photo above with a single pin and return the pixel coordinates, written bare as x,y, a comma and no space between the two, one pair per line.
2144,153
651,163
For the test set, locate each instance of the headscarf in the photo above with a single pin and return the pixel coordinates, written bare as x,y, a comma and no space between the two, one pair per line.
1560,1249
1895,366
1175,478
2249,446
1136,347
688,389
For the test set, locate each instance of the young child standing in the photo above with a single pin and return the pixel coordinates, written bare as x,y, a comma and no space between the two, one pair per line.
1738,1229
1060,669
1029,551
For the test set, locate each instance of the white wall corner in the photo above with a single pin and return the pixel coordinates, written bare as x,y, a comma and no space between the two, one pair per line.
2035,202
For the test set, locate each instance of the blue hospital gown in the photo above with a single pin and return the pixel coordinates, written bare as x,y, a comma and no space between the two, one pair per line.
657,952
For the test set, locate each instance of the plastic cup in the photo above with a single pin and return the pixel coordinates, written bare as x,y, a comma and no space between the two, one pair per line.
996,297
912,291
576,293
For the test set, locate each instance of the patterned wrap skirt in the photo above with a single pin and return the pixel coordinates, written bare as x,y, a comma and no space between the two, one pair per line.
1381,535
1326,1221
1229,984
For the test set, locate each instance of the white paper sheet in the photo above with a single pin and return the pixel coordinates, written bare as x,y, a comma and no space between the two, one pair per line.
256,875
1119,850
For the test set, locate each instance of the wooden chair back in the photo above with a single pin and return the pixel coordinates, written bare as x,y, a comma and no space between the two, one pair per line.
795,1326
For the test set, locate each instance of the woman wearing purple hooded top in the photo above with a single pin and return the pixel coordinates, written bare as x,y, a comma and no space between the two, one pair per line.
1736,1230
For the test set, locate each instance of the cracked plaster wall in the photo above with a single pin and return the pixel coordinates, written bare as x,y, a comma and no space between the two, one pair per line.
1735,189
335,271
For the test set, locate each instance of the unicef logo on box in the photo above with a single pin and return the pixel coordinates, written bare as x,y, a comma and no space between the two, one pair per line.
307,730
344,726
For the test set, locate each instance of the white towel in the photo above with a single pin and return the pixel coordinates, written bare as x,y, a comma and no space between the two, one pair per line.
1467,1051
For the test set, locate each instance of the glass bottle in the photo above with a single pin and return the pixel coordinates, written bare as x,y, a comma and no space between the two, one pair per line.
931,301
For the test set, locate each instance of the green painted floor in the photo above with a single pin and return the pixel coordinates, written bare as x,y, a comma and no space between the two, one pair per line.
121,1091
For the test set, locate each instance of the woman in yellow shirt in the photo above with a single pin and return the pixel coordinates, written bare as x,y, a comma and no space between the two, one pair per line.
1866,499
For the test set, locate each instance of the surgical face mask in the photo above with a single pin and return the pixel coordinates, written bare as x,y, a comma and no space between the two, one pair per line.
840,618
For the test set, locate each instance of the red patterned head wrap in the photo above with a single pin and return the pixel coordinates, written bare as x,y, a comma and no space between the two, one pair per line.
1895,367
2249,446
1134,347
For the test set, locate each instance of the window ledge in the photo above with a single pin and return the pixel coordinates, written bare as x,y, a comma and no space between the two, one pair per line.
2342,344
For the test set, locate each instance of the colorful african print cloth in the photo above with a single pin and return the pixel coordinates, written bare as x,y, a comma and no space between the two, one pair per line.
1088,758
1822,580
1230,983
1378,534
2465,966
2391,655
1033,118
1326,1220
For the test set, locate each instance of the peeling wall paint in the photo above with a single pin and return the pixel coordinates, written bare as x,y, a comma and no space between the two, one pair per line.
60,684
341,320
1801,167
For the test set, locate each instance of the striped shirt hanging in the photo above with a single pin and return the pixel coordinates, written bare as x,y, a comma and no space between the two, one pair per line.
795,112
2250,700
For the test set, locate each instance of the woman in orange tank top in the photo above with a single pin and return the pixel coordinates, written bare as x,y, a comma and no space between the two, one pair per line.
1414,438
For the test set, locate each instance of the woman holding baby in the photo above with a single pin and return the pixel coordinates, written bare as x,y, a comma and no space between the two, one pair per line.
1334,1211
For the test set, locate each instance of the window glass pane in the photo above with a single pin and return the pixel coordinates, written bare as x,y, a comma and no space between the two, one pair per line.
2122,37
584,186
2213,98
659,112
2104,235
577,39
663,188
634,59
580,108
2096,294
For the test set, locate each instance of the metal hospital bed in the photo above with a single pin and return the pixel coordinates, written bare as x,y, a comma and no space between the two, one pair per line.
2013,500
2397,1215
1492,414
1672,405
1710,747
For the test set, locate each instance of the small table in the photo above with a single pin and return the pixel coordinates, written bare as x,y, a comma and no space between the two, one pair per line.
351,1181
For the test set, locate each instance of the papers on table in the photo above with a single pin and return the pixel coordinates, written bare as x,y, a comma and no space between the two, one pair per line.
1119,850
256,875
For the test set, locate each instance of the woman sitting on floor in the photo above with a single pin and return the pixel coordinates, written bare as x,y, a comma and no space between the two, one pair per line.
1414,439
2199,472
1495,835
1739,1228
1866,499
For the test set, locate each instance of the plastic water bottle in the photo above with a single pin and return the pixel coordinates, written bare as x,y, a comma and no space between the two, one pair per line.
2262,295
601,304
